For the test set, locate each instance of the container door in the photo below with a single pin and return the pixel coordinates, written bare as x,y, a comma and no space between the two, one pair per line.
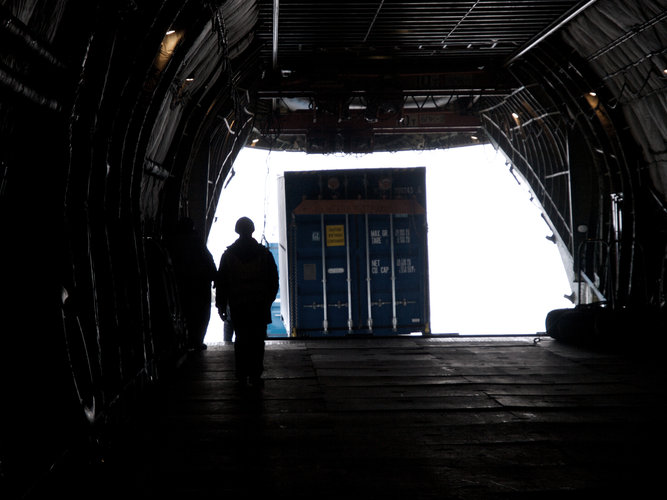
360,274
306,290
396,274
322,295
334,228
378,273
411,273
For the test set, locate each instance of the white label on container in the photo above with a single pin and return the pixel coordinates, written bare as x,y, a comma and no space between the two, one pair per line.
378,268
376,236
336,270
405,266
402,236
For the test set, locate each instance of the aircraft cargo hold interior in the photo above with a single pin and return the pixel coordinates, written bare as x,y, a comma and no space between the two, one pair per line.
120,124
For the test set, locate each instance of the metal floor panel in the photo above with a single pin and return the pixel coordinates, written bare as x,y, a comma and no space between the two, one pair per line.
405,418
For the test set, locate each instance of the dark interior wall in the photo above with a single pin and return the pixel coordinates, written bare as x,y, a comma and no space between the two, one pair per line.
88,282
620,46
36,242
589,126
566,146
589,141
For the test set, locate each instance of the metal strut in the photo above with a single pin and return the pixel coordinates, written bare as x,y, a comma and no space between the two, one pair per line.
368,277
349,278
394,319
325,320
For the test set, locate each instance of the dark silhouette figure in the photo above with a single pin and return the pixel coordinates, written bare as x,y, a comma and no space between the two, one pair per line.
247,282
195,272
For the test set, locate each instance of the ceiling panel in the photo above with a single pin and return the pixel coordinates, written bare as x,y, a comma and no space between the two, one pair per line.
466,34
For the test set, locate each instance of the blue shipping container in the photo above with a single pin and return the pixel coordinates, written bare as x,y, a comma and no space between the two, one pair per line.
353,252
276,328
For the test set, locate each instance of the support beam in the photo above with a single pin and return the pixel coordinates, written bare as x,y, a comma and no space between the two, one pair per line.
305,84
413,122
276,18
551,29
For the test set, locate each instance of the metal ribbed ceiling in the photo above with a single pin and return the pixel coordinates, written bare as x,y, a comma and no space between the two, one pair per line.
436,60
469,34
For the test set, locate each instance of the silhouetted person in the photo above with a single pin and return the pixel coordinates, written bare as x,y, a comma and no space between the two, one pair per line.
195,271
247,281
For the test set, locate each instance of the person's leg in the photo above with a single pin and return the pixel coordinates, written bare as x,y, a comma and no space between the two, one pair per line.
256,354
203,318
241,354
244,348
228,331
239,372
250,333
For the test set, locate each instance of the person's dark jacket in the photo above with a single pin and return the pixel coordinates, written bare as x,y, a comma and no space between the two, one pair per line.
247,280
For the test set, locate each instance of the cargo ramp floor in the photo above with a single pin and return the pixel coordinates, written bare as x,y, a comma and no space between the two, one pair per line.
411,418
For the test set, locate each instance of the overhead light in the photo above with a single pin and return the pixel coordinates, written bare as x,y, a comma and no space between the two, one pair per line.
593,99
473,137
254,141
515,116
167,47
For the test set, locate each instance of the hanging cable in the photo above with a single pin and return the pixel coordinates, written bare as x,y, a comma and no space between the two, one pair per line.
266,197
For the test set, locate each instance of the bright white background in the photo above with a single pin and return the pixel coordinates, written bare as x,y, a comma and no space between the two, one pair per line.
492,270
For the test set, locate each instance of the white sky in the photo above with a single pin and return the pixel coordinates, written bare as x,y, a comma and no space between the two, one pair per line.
492,270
